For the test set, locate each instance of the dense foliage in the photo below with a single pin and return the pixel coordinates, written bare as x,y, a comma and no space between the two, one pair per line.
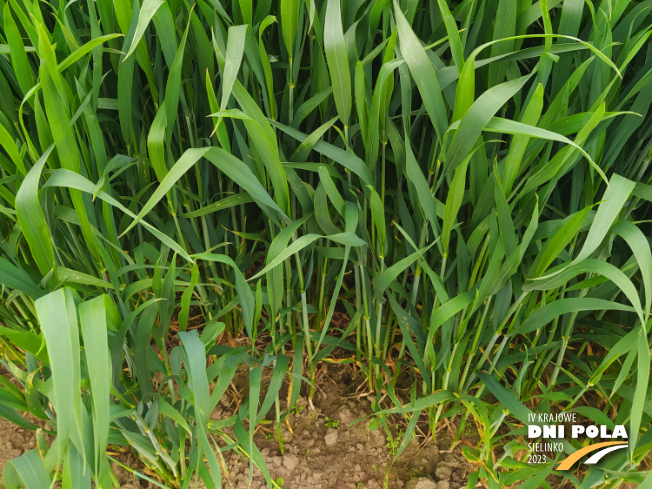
464,186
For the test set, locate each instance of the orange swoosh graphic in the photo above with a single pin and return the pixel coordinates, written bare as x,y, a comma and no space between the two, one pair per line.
569,461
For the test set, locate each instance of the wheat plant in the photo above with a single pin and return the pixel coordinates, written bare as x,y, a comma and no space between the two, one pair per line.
466,183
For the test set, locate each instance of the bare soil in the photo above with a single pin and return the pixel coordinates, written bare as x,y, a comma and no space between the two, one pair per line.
347,455
14,441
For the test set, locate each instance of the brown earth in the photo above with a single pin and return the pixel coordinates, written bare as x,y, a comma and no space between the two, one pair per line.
344,455
14,441
348,455
329,445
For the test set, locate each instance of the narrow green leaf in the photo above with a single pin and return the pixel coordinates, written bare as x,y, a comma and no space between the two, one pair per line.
338,62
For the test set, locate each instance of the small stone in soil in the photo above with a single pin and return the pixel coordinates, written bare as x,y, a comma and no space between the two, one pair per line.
443,472
345,416
421,483
331,437
290,461
377,438
276,461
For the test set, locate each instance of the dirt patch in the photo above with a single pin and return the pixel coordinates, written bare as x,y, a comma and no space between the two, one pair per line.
126,479
14,441
324,448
